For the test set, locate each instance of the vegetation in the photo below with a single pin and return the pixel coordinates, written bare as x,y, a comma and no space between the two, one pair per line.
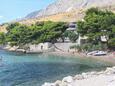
98,24
40,32
77,48
73,36
88,47
2,38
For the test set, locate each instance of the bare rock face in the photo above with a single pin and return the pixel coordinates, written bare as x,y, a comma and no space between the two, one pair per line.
61,6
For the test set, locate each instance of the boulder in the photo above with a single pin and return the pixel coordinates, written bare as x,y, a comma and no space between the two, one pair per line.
109,71
58,83
48,84
78,77
68,79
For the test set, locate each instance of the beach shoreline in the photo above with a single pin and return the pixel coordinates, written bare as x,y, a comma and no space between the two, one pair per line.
102,78
109,58
106,58
107,76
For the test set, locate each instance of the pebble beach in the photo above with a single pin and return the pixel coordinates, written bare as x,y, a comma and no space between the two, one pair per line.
103,78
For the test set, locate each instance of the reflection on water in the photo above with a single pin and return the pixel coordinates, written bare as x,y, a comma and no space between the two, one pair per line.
34,70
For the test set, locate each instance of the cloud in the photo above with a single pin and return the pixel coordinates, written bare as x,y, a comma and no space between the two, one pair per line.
1,17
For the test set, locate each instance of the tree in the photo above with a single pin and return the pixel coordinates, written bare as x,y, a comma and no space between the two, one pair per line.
97,24
2,38
73,36
20,35
112,43
11,26
52,31
76,47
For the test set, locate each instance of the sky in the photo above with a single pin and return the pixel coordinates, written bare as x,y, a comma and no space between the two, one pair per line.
13,9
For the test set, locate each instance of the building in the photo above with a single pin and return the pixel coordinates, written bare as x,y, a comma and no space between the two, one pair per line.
72,26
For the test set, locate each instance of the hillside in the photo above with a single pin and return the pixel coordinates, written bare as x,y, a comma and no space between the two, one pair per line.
72,11
3,28
61,6
66,10
65,17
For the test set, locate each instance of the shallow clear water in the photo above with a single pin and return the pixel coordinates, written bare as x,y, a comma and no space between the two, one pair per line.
35,69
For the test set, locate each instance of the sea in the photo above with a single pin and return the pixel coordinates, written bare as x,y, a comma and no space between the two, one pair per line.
18,69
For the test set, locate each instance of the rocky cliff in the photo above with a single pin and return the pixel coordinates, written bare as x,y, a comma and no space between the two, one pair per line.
61,6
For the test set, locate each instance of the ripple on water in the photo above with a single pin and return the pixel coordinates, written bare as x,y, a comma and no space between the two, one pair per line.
34,70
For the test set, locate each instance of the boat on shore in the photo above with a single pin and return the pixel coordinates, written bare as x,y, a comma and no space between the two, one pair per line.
97,53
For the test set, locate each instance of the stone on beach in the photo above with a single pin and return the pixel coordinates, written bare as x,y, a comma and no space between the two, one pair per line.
78,77
58,83
103,78
68,79
110,71
48,84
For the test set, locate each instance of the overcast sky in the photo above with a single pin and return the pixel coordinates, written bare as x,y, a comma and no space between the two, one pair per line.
13,9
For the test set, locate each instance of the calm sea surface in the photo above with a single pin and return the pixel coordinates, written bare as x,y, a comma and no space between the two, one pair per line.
35,69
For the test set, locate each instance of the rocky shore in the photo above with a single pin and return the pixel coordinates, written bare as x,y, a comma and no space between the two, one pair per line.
103,78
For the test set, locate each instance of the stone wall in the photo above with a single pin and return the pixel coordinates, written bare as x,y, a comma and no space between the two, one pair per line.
64,46
40,47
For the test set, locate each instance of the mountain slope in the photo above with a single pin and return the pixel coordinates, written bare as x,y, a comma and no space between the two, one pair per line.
64,10
61,6
3,28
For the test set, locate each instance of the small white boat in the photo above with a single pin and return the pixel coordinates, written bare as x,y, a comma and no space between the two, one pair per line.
100,53
97,53
92,53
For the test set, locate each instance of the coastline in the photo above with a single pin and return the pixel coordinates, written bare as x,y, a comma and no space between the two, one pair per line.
107,76
103,78
107,58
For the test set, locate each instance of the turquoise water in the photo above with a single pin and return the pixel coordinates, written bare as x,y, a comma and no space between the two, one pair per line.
35,69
